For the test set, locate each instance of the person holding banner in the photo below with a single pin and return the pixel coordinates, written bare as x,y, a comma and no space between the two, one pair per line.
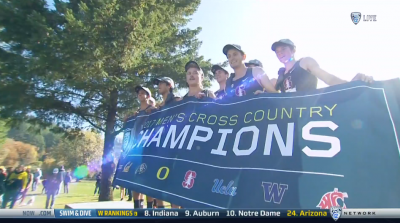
194,80
144,96
166,87
254,63
303,75
221,75
245,80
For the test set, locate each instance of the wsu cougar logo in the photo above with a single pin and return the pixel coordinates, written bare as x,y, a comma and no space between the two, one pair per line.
188,181
330,199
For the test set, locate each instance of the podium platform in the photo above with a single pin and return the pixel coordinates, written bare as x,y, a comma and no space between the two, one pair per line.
101,205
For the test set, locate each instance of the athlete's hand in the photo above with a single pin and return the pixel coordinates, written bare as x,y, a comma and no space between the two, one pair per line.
259,92
200,95
363,77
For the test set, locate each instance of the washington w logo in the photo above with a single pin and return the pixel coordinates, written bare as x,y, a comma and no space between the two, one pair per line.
274,192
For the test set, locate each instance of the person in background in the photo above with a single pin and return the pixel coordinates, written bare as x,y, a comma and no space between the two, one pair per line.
3,176
61,176
303,74
52,188
97,185
28,184
221,75
254,63
245,80
15,184
44,182
194,79
67,180
36,178
9,170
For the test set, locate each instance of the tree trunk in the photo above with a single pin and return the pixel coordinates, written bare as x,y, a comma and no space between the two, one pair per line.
108,166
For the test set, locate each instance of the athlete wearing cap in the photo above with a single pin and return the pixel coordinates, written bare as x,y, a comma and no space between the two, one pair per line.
194,80
166,87
144,95
221,75
244,81
303,75
254,63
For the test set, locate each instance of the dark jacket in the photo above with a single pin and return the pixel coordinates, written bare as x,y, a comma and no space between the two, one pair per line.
2,183
52,183
67,179
16,180
98,178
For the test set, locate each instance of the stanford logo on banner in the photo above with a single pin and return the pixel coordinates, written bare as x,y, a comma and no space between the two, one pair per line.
331,147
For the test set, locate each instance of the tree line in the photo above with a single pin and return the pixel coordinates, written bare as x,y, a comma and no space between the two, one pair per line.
29,145
74,64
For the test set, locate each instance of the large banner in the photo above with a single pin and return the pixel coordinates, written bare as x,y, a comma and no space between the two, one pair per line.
329,147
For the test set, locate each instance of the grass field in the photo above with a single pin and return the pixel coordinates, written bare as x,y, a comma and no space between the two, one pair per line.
81,192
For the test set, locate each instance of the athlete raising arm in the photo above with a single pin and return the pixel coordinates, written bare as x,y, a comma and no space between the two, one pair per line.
303,75
245,80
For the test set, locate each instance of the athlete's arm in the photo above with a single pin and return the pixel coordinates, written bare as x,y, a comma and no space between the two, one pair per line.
363,77
211,95
150,109
274,80
312,66
262,78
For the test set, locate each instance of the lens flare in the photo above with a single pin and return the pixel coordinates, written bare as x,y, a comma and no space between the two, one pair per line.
81,172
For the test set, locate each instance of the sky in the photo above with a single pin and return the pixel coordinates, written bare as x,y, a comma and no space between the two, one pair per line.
321,29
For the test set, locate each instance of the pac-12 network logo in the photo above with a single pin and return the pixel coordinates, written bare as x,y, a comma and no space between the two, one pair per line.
336,212
355,17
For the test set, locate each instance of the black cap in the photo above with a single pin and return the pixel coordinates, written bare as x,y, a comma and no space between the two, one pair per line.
167,80
216,67
138,88
191,64
254,62
231,46
281,42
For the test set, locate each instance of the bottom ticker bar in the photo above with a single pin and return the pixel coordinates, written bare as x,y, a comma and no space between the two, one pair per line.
195,213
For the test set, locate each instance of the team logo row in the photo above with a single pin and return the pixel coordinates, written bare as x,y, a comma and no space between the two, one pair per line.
273,192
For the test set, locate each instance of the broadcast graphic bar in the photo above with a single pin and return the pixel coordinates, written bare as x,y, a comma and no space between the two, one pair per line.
195,213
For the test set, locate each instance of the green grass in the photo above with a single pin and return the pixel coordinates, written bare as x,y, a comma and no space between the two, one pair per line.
81,192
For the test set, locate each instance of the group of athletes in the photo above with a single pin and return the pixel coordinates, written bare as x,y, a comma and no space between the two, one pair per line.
248,78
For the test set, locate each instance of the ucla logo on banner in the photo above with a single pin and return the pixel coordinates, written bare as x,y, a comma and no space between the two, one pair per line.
229,189
274,192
